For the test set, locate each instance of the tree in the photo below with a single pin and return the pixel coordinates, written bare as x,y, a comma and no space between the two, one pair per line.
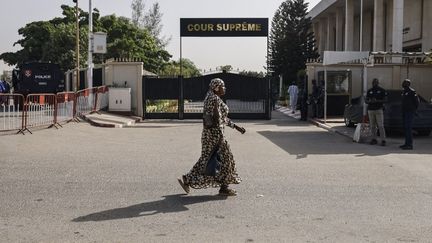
138,7
172,69
150,20
226,68
291,42
54,41
252,74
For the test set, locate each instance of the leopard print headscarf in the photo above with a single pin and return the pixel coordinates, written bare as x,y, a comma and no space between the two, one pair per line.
216,82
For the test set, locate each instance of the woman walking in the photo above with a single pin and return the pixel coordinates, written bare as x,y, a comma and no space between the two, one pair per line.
212,139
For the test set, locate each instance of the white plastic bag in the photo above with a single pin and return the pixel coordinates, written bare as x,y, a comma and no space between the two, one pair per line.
362,132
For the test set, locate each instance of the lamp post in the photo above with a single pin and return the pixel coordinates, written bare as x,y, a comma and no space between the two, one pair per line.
77,46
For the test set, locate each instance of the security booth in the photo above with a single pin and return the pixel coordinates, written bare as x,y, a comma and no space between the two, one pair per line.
339,90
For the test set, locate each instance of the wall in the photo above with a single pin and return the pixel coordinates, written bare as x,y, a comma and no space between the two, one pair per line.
390,76
132,72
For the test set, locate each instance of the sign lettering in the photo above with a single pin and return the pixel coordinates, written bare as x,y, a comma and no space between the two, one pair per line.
224,27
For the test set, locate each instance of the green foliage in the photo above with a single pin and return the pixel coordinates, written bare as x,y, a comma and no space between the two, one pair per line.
54,41
291,42
172,69
150,21
252,74
164,106
226,68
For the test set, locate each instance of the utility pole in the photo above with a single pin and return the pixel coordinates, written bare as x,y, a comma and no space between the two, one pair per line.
77,47
90,48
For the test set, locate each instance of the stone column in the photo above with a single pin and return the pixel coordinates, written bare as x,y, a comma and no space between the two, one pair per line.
316,31
378,26
427,30
339,29
323,35
367,31
330,33
349,25
397,40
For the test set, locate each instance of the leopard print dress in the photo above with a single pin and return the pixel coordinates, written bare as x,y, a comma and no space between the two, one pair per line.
210,138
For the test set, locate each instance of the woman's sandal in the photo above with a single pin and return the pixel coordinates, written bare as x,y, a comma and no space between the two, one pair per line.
227,192
183,184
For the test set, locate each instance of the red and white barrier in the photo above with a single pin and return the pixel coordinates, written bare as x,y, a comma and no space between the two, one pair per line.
65,111
11,112
85,101
17,113
40,110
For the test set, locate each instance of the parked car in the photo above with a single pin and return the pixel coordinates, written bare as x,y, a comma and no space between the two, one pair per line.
422,123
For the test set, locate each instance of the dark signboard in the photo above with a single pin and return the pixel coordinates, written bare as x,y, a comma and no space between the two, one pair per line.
223,27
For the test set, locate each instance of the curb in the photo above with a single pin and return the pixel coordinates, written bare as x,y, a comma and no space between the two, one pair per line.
97,124
285,110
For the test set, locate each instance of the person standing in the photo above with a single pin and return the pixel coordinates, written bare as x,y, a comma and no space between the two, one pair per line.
314,98
410,103
293,94
213,139
375,99
320,99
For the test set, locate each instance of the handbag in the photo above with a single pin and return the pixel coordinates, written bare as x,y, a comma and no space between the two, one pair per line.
213,164
362,132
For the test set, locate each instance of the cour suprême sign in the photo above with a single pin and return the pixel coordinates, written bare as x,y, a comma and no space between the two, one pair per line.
223,27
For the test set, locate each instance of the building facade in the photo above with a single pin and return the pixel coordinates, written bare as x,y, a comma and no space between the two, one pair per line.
397,33
373,25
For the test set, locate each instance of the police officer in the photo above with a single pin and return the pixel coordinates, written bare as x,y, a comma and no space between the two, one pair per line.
375,98
410,103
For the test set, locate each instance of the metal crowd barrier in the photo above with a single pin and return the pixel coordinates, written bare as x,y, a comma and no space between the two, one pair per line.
65,111
39,111
86,101
19,113
11,112
102,98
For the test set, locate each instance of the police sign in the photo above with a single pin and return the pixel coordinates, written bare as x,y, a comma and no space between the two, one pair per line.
214,27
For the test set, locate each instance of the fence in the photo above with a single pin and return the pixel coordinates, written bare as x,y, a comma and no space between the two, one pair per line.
65,107
37,110
11,112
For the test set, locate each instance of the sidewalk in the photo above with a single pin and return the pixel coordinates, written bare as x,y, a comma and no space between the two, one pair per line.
332,124
107,119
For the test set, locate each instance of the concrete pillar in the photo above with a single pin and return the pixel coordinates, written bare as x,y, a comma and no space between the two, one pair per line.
316,31
330,33
378,26
398,7
397,40
349,25
339,29
367,31
323,35
427,30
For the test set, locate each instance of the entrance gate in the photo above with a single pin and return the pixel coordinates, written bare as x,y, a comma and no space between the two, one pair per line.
182,98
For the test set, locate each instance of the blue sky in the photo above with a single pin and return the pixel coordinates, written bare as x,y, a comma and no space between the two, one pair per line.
240,52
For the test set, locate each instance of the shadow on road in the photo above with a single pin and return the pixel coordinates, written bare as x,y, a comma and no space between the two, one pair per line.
169,204
304,143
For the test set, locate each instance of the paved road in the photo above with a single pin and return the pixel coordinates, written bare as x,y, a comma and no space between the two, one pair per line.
300,183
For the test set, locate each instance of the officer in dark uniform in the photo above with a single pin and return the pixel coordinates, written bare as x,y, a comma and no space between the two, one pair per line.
410,103
375,99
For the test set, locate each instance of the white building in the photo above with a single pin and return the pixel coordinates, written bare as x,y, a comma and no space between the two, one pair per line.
386,28
386,25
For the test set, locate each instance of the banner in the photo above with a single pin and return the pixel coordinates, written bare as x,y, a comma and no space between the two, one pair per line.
223,27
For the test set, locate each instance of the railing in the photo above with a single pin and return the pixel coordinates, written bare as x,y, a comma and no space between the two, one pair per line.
48,110
390,58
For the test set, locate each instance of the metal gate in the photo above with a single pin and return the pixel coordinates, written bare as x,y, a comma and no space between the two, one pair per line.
182,98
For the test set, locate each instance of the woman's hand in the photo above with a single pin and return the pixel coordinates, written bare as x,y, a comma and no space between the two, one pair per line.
240,129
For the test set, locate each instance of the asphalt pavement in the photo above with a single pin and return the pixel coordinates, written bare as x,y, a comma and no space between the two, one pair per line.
301,183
